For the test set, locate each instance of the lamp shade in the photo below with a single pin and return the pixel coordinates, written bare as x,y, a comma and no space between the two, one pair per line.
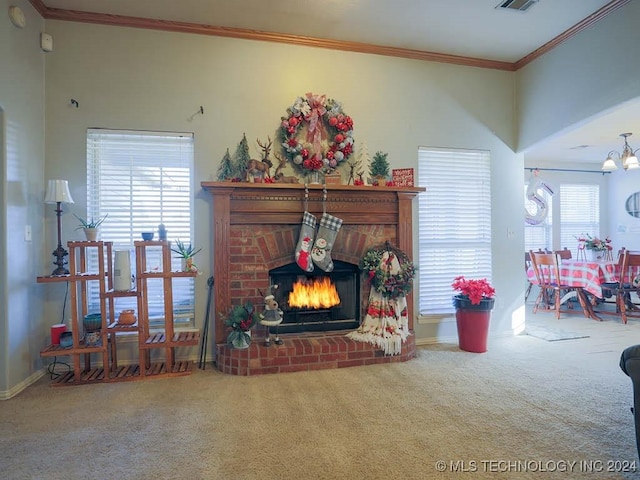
58,191
631,162
609,165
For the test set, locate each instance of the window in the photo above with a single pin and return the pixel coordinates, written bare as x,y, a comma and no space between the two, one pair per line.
540,235
454,224
142,179
579,213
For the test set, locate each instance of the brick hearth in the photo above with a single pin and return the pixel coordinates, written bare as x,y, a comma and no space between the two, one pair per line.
256,228
298,354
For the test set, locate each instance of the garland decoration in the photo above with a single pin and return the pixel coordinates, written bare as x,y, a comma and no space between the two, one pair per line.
316,135
389,270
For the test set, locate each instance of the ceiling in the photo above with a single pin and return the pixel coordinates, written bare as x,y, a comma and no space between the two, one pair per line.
466,28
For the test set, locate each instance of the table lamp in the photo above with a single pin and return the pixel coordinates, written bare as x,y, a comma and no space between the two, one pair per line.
58,193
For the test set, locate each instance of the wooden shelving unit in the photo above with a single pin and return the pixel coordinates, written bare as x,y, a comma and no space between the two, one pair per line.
167,339
148,339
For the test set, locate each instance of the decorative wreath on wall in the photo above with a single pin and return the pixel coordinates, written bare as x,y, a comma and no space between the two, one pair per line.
316,135
389,269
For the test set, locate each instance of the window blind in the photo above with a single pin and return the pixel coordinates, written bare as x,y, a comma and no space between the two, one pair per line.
454,222
143,179
579,213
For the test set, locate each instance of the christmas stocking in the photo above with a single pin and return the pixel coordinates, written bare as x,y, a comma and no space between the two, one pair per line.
303,249
321,251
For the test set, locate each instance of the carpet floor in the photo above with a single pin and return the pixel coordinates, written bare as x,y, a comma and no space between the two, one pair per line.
527,408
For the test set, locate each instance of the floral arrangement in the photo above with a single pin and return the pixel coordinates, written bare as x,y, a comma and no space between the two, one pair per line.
475,290
389,270
586,241
329,134
240,320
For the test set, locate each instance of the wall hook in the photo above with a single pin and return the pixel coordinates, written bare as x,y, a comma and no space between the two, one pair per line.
74,102
200,111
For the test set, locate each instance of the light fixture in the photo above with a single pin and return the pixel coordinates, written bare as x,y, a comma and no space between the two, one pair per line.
58,193
628,157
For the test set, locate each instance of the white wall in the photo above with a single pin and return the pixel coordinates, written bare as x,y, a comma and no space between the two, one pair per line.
590,73
624,228
23,330
144,79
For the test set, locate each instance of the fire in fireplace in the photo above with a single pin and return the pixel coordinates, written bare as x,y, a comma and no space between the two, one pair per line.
318,301
313,293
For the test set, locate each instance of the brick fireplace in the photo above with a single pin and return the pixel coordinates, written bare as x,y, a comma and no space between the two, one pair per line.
255,230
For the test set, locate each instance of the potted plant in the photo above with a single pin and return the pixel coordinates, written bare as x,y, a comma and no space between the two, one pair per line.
473,305
186,253
379,169
240,320
90,227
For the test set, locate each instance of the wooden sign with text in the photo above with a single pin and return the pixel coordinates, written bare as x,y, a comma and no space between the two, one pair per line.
402,177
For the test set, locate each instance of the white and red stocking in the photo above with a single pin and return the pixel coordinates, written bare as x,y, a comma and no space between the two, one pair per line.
321,251
303,249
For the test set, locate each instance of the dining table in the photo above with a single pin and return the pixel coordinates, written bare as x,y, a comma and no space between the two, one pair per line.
586,274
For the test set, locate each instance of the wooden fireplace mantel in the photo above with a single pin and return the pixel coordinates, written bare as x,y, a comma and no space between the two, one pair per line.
264,204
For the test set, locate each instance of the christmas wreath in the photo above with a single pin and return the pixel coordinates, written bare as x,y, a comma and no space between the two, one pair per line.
316,135
389,269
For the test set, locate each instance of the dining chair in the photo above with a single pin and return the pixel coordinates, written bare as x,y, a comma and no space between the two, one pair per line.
628,284
527,266
547,269
609,289
564,254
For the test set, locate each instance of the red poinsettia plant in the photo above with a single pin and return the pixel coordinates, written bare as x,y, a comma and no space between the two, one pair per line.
476,290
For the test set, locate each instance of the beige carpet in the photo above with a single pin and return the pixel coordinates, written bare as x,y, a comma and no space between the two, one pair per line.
526,401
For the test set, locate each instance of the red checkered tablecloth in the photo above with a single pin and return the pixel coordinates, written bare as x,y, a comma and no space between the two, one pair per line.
588,275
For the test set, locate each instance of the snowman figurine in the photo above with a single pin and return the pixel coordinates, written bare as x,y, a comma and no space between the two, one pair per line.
271,317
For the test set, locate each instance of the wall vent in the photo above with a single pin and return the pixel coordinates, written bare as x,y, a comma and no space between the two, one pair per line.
519,5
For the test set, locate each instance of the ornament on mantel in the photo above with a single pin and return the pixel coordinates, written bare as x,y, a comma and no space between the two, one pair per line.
225,170
379,168
356,170
241,159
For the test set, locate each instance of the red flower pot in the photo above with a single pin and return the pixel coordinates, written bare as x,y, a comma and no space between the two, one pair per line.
473,323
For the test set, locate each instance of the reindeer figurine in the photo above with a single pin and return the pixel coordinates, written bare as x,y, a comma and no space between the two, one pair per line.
280,177
260,168
353,167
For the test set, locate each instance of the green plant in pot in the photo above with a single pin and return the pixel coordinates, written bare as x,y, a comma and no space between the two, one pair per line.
91,226
473,304
186,253
379,168
239,322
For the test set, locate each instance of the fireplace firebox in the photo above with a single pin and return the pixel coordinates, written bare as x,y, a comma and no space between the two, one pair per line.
345,315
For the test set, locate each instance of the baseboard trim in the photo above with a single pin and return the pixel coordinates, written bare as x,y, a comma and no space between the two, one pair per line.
435,340
30,380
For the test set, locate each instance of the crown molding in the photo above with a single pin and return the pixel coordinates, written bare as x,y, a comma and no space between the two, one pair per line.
247,34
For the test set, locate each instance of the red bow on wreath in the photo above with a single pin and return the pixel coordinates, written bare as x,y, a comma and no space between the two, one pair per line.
315,132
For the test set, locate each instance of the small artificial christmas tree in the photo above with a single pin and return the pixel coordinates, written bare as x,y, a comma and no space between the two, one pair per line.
241,158
225,170
363,154
379,168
